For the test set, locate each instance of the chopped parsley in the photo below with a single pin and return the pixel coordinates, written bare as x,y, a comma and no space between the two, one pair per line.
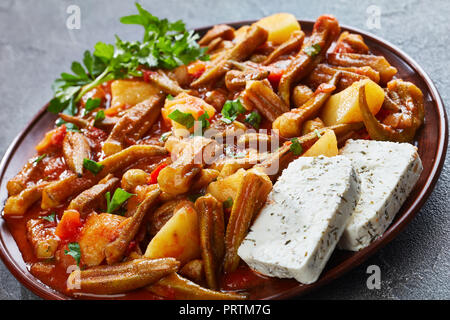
92,166
74,251
169,97
50,217
99,116
254,119
203,119
165,45
117,200
313,50
39,159
69,126
228,203
183,118
91,104
296,147
231,109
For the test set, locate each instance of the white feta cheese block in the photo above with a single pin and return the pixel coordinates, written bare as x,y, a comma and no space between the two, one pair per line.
307,210
388,172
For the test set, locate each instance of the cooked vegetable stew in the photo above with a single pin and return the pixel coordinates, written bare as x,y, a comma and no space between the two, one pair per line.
129,195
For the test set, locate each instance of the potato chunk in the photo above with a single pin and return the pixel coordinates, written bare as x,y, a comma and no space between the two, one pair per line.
179,238
97,232
343,107
227,187
42,238
280,26
130,92
325,146
187,104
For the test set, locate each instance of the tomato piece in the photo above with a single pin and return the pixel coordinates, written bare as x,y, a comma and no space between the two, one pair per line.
146,75
275,77
196,69
155,173
53,138
69,226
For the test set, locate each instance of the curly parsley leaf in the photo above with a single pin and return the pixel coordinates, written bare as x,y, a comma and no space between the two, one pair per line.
74,251
50,217
183,118
228,203
165,45
91,104
119,198
296,148
231,109
313,50
254,119
99,116
39,159
92,166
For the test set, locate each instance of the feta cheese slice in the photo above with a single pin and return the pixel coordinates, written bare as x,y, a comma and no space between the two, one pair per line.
303,219
388,172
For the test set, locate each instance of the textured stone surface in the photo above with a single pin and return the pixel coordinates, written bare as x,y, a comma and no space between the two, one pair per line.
35,46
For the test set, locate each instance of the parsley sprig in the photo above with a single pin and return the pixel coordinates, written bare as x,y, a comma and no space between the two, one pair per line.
165,45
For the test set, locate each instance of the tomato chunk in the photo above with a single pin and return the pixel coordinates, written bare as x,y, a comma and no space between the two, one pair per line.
69,226
155,173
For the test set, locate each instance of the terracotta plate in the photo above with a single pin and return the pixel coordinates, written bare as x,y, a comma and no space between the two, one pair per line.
431,141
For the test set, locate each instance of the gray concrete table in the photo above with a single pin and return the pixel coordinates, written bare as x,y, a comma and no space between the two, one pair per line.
36,46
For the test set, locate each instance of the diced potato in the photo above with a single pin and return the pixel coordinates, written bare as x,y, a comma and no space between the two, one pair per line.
97,232
130,92
343,107
227,187
42,238
187,104
280,26
179,238
325,146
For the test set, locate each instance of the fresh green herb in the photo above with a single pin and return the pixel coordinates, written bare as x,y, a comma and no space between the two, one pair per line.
254,119
169,97
91,104
92,166
50,217
39,159
228,203
72,127
165,45
231,109
74,251
169,44
165,136
313,50
183,118
69,126
203,119
296,147
99,116
119,197
317,133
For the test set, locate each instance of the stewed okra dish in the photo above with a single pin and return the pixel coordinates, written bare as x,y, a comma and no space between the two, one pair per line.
176,159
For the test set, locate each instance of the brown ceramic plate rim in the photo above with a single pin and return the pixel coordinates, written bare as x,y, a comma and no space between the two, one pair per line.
42,290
